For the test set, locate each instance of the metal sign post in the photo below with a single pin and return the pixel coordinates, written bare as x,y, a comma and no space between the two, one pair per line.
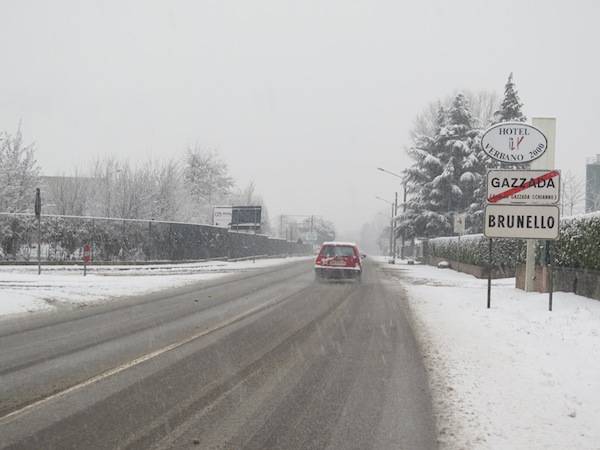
550,273
38,215
459,228
490,266
87,257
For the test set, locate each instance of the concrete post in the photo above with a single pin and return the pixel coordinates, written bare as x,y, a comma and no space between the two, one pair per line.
546,125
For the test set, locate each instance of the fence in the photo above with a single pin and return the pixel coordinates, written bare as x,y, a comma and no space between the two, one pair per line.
129,240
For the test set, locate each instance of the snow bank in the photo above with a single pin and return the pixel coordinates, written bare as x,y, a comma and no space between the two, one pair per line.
514,376
23,290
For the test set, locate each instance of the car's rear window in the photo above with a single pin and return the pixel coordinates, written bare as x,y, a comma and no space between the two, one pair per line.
337,250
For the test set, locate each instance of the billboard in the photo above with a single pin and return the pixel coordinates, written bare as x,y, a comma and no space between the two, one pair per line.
222,216
246,217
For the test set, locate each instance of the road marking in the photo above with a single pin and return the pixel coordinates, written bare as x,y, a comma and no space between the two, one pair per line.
10,417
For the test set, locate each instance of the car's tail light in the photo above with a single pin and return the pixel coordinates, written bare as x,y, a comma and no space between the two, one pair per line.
319,260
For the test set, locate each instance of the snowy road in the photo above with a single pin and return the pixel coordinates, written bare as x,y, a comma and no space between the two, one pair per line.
267,359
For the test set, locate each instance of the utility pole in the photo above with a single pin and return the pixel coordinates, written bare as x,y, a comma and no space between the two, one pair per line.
394,227
403,210
392,234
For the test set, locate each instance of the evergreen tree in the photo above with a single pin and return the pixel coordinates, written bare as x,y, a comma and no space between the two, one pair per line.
510,109
448,175
445,175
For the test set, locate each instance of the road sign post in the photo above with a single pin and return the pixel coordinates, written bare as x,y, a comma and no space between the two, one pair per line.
459,228
87,257
38,215
490,267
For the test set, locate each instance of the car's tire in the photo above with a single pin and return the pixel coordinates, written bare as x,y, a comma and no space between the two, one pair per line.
359,278
318,278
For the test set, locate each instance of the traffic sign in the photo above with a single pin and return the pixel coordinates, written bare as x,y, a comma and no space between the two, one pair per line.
522,221
87,253
531,187
513,142
459,223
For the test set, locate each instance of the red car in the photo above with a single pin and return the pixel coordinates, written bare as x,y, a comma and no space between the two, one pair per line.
338,260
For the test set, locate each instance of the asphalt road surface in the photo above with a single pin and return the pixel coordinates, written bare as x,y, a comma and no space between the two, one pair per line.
259,360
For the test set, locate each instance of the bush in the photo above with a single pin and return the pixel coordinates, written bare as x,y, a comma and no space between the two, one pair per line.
131,240
579,243
474,249
577,247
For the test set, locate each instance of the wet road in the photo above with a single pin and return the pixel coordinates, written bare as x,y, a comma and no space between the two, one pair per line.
261,360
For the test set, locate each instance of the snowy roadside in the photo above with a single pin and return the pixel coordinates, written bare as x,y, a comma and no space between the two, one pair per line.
22,290
515,376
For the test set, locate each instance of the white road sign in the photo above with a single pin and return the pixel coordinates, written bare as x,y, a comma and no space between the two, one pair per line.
522,221
531,187
459,223
514,142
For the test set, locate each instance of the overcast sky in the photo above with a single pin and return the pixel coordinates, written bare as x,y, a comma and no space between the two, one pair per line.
306,98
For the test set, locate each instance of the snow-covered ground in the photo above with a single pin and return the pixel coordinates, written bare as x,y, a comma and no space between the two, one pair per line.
23,290
515,376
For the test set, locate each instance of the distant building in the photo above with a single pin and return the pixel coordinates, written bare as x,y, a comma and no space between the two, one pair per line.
592,184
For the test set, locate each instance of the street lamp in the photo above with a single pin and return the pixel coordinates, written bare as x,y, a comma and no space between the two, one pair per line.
381,169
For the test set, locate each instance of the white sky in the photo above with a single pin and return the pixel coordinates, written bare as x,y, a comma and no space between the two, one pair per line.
304,97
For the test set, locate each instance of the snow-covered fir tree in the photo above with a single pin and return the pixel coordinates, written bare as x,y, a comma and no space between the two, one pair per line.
510,109
445,175
448,175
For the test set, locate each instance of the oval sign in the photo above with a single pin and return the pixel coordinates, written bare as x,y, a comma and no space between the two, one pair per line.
513,142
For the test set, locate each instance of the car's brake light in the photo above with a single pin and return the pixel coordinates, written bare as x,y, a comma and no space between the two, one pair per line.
319,260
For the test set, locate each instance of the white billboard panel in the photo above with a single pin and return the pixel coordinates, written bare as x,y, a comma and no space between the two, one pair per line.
222,216
459,223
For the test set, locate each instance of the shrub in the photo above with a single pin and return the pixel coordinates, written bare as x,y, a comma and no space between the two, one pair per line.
577,247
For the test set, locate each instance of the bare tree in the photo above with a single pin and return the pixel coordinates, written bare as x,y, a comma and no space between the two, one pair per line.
482,104
69,194
207,176
572,193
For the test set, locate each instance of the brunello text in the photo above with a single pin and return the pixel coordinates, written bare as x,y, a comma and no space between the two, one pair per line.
524,221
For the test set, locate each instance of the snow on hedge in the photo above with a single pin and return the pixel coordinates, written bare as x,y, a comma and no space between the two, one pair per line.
578,246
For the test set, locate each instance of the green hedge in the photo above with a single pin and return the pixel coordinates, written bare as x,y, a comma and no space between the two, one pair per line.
474,249
578,246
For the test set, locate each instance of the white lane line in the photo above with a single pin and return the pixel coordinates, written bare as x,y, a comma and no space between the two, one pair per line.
10,417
